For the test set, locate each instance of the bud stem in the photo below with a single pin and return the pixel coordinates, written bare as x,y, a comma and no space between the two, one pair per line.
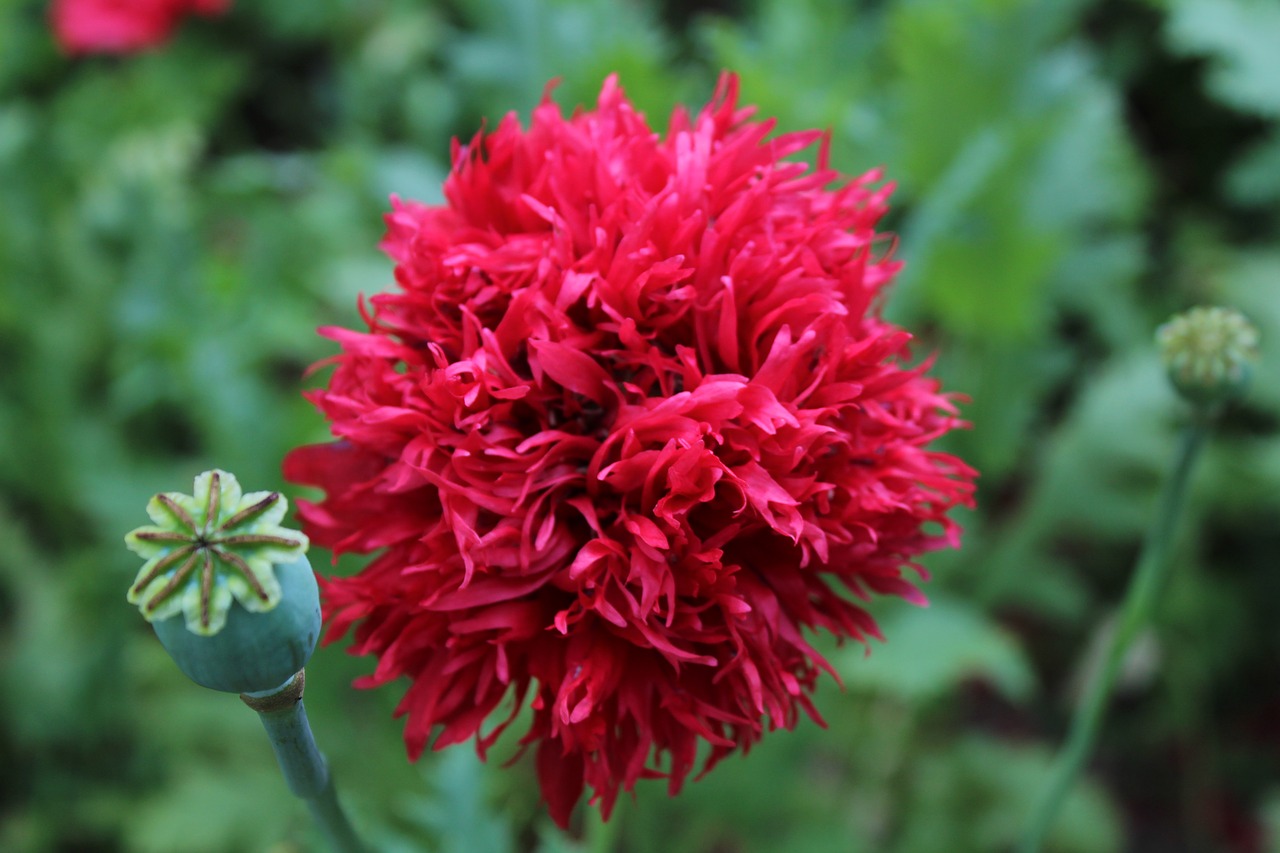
305,770
1135,613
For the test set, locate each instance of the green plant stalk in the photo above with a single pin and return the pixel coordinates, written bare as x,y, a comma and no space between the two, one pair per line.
305,770
1135,613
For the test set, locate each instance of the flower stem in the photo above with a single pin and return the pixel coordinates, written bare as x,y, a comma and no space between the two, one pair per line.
1135,613
305,770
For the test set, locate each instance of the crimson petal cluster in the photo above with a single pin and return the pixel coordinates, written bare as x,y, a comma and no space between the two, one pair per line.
629,425
122,26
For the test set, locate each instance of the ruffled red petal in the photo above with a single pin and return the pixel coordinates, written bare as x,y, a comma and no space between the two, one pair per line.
629,426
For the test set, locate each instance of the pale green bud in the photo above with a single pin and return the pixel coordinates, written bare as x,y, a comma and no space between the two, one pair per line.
1209,353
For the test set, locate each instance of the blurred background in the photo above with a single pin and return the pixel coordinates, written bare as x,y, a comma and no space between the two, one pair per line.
174,225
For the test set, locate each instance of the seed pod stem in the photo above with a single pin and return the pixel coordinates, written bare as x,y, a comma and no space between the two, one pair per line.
305,770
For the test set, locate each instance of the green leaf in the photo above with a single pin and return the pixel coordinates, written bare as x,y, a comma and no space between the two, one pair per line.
1239,39
930,651
524,44
1255,178
977,792
457,812
204,811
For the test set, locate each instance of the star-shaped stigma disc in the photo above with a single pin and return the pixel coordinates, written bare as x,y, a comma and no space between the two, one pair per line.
208,548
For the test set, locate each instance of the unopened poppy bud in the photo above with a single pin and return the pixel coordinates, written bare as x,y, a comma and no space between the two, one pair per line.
1209,353
228,590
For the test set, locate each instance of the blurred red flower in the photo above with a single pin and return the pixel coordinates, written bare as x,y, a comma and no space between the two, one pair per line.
122,26
630,425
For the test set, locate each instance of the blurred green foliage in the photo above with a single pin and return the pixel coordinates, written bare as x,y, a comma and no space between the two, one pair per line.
174,225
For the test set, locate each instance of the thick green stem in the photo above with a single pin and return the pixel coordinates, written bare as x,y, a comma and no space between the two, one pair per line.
304,768
1136,612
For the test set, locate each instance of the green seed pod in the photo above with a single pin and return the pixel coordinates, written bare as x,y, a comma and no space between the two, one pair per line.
254,652
241,583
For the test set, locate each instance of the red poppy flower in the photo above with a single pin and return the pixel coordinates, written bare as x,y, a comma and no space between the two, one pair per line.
122,26
629,426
